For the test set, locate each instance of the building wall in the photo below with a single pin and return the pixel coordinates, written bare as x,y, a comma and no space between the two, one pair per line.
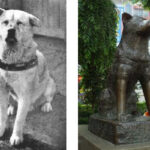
133,9
52,15
51,36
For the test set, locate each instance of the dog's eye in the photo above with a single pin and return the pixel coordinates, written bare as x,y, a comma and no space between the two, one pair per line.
6,22
19,23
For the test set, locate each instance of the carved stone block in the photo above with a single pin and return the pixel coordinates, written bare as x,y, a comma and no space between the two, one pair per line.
120,132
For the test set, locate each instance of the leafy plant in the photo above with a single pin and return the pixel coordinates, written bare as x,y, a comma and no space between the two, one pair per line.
97,44
85,110
141,106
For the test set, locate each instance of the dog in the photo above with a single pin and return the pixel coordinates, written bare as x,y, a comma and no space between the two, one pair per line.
24,73
132,61
131,64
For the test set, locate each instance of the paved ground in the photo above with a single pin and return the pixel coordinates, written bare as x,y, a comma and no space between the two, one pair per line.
43,131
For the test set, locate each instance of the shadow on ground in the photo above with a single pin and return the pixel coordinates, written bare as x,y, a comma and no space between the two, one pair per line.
43,131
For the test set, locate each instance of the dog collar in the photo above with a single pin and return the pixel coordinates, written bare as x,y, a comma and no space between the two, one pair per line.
19,66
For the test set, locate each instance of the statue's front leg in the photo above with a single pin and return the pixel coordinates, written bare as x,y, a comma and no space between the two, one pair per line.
121,97
121,90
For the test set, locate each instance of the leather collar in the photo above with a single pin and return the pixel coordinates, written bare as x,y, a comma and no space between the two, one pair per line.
19,66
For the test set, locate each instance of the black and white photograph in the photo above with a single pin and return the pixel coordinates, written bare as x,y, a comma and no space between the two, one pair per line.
32,74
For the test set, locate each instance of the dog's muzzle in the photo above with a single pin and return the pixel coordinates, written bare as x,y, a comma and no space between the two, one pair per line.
11,37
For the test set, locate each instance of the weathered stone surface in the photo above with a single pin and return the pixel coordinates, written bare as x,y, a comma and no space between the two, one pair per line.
120,132
89,141
55,52
43,131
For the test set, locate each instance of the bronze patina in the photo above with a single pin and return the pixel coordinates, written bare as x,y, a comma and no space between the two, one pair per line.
131,64
132,60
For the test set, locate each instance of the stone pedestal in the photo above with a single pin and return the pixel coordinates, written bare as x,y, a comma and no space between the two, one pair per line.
89,141
118,132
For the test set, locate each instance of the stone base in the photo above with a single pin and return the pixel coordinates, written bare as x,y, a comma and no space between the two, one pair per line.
120,133
89,141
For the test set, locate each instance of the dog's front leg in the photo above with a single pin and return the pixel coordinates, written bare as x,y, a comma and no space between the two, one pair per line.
3,118
3,109
3,115
17,135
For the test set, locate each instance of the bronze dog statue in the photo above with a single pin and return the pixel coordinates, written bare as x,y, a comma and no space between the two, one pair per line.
132,64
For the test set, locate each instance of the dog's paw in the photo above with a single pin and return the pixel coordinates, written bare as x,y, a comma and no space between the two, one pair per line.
15,139
10,110
47,107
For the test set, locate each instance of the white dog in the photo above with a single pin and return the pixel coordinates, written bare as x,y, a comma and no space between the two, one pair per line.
23,70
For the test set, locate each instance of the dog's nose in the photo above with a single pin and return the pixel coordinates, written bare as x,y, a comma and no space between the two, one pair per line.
11,32
11,37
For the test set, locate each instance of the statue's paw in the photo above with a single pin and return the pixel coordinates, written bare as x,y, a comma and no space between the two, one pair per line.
47,107
15,139
10,110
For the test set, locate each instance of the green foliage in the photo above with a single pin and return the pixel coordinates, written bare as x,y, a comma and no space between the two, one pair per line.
85,110
142,107
97,44
146,3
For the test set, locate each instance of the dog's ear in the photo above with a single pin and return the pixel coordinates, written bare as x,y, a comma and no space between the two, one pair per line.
126,17
2,11
34,21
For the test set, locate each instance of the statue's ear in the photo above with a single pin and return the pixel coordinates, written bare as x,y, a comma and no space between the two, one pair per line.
34,21
2,11
126,17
